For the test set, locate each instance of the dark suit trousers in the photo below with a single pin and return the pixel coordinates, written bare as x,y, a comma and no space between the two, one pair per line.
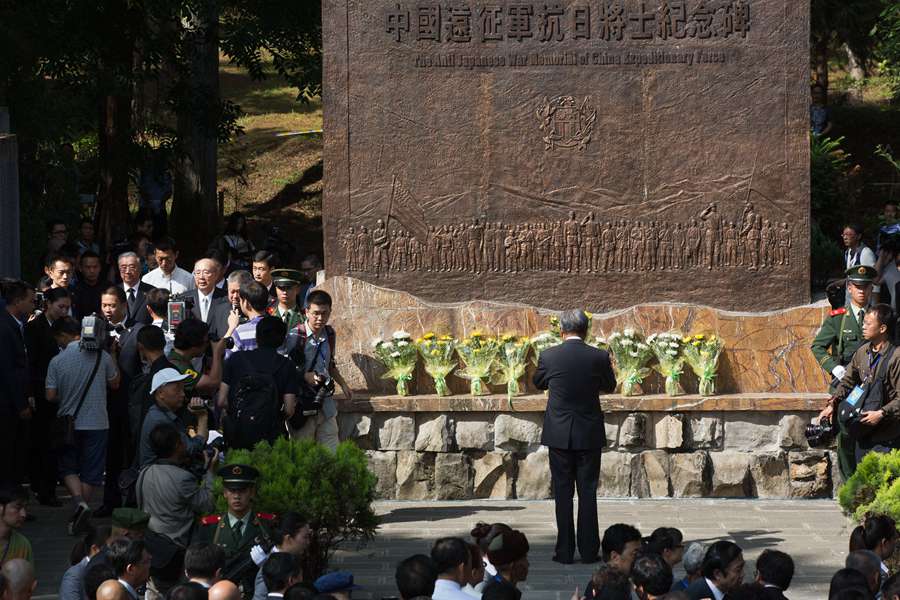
571,469
42,467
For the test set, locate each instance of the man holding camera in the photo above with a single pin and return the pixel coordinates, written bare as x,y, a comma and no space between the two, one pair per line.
191,342
169,491
316,417
838,340
867,401
77,379
167,390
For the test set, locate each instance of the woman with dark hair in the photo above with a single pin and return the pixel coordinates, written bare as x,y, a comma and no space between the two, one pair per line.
508,552
877,533
483,533
235,243
667,542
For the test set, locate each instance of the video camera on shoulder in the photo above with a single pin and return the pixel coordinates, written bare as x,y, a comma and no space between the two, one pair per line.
94,334
178,309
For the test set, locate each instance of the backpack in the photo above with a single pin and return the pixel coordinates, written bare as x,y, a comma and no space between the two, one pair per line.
254,412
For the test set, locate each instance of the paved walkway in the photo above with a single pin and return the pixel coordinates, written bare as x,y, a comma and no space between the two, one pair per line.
814,532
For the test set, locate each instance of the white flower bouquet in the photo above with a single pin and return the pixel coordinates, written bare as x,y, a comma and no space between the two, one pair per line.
510,363
477,353
399,356
702,352
632,355
439,356
667,347
542,341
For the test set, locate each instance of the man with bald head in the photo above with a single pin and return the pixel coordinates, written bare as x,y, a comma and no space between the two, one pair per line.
20,579
112,590
210,304
224,590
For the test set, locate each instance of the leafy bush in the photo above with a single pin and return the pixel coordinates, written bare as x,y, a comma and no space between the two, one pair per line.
874,487
334,490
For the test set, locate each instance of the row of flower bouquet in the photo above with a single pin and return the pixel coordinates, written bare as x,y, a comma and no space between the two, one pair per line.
502,360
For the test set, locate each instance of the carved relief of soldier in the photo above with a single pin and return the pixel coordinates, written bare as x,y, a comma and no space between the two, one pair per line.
577,244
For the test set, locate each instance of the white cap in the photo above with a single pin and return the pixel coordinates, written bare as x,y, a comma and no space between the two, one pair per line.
164,377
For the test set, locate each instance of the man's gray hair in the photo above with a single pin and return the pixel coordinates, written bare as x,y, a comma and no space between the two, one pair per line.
693,557
128,254
240,277
865,561
573,321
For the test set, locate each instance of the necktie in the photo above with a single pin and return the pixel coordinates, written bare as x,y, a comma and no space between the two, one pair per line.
205,309
131,301
237,529
285,317
862,314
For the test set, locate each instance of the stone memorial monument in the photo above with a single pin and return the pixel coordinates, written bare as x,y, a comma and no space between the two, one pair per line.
490,161
600,153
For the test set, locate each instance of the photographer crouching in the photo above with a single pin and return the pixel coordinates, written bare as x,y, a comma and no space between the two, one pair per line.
316,415
174,497
866,404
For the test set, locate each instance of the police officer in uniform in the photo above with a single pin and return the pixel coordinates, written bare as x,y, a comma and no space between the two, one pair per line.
239,529
287,287
839,338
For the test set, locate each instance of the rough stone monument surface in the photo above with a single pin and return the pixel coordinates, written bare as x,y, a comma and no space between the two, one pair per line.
600,153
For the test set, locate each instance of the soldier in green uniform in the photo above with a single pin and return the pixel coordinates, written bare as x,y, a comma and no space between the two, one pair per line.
287,287
839,338
239,529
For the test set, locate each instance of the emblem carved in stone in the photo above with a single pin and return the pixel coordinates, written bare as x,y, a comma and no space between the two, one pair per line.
564,123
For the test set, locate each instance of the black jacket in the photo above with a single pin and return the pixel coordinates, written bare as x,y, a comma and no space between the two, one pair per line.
576,374
139,314
14,384
219,309
42,348
699,590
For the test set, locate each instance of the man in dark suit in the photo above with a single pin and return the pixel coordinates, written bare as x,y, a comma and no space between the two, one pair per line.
774,571
723,572
15,401
210,304
135,289
576,374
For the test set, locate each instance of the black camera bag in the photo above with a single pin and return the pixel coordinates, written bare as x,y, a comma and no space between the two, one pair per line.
872,399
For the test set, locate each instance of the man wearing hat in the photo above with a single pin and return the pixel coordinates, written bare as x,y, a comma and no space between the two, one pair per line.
167,391
129,523
287,286
339,584
239,529
839,338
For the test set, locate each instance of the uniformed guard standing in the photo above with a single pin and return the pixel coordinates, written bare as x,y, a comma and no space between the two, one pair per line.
239,529
287,287
839,338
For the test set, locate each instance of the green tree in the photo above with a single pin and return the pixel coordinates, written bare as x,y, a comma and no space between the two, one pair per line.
834,23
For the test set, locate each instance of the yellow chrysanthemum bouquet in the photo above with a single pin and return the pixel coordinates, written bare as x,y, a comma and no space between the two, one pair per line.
439,356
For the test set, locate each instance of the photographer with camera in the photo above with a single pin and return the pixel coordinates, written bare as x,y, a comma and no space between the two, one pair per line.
316,416
192,338
254,304
167,390
259,389
866,404
77,380
174,498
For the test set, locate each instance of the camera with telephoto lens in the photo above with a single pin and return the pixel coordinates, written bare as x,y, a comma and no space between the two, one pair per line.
178,309
821,434
312,405
229,342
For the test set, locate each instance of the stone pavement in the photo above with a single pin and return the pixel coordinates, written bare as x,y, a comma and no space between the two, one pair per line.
814,532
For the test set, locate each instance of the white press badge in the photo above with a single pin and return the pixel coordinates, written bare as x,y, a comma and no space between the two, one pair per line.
855,396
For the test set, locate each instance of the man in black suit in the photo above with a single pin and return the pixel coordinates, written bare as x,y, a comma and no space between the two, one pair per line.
135,289
210,304
723,572
15,401
774,571
576,374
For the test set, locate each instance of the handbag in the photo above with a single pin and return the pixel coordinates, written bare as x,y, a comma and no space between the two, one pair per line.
869,397
62,432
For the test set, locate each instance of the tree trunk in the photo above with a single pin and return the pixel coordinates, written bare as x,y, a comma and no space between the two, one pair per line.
112,216
195,216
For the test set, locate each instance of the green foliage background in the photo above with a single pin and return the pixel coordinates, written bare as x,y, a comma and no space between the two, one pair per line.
874,487
334,490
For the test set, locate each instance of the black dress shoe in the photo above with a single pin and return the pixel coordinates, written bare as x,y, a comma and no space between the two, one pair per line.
563,561
103,512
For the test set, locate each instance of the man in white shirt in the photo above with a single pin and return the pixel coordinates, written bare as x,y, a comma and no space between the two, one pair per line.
210,304
453,562
856,253
168,275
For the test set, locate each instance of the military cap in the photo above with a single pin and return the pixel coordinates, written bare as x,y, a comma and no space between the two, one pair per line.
285,278
129,518
238,477
862,274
